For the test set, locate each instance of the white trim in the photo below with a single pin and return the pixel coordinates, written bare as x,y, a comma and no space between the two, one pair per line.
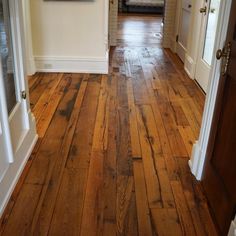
30,63
9,181
232,230
72,64
106,27
200,147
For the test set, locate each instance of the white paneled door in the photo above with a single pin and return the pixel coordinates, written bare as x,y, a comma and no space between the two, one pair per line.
210,14
184,24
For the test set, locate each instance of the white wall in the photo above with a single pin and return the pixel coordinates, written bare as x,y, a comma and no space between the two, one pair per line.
70,36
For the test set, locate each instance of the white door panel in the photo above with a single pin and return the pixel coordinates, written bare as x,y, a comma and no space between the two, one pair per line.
4,162
6,151
185,15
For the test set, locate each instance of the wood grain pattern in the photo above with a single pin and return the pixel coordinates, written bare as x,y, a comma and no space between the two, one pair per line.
112,158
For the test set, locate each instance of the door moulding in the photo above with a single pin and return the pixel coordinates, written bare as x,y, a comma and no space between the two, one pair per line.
200,147
30,63
232,230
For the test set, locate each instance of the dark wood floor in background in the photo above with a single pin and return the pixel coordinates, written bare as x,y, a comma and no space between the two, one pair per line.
113,151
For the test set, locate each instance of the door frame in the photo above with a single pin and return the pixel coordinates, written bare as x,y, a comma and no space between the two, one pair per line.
30,62
199,148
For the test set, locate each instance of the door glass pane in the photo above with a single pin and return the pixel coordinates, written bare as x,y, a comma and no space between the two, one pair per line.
7,55
211,30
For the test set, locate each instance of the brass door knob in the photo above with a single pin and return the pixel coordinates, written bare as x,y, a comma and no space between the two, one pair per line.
23,95
203,10
220,53
224,53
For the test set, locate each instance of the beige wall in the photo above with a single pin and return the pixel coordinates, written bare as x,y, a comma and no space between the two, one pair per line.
69,30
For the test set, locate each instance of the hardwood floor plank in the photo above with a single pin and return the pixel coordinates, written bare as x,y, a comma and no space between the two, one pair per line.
134,134
110,165
43,101
126,211
187,137
93,202
7,213
45,207
143,212
43,81
150,151
79,156
46,117
124,152
67,215
195,200
76,171
176,142
182,209
166,222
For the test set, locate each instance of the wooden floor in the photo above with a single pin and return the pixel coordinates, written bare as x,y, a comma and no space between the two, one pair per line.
112,157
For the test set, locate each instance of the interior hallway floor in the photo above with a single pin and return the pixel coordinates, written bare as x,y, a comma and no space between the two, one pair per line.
112,155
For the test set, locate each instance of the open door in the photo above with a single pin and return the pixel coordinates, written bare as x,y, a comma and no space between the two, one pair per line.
17,125
219,174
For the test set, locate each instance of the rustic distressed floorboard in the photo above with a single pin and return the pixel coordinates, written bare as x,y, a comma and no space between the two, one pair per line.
112,158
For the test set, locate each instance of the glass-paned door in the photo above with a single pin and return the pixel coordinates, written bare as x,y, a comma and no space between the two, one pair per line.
210,16
12,72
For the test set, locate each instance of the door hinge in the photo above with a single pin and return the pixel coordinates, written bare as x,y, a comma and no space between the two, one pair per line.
23,95
177,38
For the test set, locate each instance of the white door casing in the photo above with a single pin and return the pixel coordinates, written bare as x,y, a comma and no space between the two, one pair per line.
199,149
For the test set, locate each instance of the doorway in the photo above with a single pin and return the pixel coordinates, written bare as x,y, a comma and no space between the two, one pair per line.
135,8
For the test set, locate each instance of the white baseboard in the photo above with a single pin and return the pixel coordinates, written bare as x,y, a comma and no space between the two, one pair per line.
72,64
189,66
9,181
